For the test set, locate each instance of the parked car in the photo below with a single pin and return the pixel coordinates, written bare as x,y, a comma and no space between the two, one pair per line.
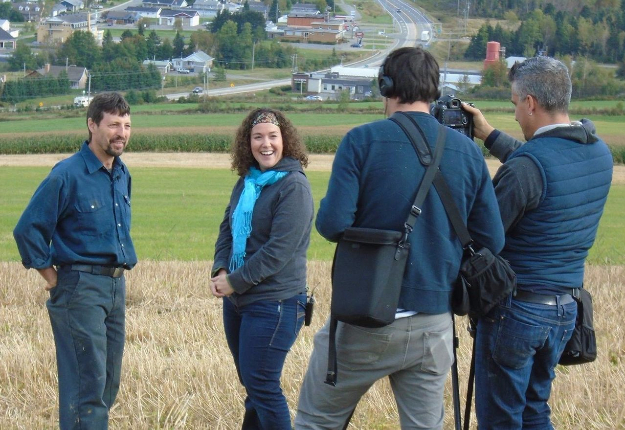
183,71
198,90
313,98
356,45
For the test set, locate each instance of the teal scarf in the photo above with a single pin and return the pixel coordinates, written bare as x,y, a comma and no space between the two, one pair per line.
242,217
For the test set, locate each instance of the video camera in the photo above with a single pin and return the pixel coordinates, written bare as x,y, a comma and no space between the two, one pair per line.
448,111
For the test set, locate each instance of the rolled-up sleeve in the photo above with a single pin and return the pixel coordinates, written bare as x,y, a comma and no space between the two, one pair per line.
36,226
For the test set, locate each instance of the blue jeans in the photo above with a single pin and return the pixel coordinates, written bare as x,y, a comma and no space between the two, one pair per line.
87,313
518,346
259,336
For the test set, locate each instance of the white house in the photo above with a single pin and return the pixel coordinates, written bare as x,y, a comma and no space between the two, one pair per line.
163,66
198,62
190,18
145,12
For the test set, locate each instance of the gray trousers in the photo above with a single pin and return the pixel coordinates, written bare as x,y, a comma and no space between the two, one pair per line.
416,354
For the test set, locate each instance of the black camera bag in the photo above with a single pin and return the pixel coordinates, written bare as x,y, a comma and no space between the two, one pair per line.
582,347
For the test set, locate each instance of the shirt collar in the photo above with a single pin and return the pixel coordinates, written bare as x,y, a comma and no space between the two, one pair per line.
546,128
93,163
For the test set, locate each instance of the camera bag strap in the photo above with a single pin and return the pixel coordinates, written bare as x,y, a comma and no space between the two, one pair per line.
415,211
416,135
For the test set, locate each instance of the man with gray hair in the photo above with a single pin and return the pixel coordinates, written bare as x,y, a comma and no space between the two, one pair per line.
551,193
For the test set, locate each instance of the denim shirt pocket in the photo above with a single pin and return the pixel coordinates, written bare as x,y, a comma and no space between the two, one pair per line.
92,216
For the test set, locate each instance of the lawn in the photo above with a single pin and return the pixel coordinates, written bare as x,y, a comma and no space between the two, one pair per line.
177,211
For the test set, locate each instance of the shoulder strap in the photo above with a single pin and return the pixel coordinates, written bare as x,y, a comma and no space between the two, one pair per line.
409,125
452,210
414,133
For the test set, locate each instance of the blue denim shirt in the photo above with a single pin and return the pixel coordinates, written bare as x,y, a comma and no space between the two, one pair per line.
79,214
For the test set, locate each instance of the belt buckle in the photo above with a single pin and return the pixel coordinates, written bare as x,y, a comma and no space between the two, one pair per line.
117,272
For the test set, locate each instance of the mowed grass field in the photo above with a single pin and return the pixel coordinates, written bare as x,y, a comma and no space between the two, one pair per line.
176,211
178,372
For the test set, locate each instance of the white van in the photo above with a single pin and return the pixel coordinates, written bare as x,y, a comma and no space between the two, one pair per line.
82,101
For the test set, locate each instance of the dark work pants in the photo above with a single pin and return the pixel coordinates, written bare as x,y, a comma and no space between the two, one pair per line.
87,313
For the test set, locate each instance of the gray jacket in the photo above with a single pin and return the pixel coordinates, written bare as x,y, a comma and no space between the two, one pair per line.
275,261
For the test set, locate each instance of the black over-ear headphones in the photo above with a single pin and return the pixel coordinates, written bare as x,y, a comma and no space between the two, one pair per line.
385,83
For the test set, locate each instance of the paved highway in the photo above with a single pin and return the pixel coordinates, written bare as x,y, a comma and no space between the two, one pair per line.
411,23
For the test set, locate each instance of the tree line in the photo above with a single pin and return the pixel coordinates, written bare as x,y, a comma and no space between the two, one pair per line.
594,32
27,88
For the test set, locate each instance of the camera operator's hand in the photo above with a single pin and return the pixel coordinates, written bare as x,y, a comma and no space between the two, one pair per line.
481,127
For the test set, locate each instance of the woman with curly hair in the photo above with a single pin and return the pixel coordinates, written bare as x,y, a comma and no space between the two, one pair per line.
260,260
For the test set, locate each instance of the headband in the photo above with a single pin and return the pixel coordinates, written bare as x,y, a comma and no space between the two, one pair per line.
266,117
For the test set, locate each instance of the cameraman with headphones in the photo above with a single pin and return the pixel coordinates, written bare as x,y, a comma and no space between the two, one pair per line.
374,180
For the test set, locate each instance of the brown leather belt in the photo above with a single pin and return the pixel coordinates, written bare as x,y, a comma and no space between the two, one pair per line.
544,299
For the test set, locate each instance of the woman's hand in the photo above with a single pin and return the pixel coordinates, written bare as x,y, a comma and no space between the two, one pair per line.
220,287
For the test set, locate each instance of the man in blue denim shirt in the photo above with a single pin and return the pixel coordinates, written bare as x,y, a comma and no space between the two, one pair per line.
76,233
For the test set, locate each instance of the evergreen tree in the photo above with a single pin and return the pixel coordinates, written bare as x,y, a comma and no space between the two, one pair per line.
152,44
190,49
165,51
126,34
274,11
178,45
477,47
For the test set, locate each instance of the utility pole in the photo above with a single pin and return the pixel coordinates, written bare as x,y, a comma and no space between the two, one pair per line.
89,87
466,16
253,46
294,63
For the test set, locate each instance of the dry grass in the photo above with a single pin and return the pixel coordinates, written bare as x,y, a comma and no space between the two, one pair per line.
205,160
178,372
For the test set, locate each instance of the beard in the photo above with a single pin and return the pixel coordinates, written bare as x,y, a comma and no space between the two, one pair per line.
110,150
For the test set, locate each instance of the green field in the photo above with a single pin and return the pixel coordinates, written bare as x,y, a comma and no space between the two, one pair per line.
176,213
158,120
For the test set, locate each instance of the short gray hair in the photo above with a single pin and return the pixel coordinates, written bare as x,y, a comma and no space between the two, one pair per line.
545,78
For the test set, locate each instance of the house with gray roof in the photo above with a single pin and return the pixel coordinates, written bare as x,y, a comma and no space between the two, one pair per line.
261,8
121,17
73,5
145,12
189,18
58,9
163,66
164,3
198,62
7,42
208,8
77,75
30,11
